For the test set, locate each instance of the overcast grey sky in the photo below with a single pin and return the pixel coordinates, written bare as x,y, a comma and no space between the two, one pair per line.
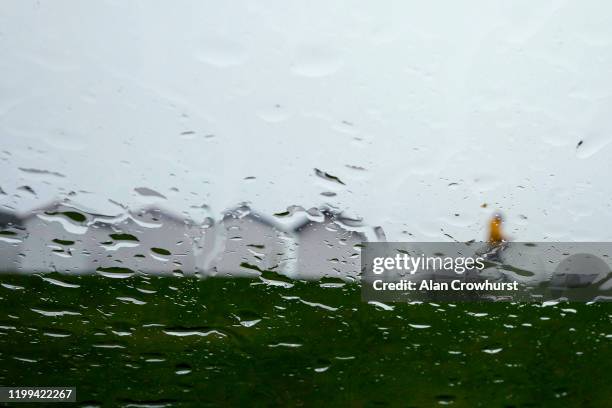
441,106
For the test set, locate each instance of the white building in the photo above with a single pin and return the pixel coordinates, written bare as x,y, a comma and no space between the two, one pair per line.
245,242
58,238
306,245
150,240
11,239
327,248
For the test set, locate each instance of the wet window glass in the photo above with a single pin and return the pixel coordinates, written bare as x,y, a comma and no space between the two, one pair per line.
187,192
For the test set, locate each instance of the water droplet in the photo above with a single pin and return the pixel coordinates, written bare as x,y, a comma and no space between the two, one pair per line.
184,332
148,192
131,300
328,176
41,172
55,313
59,283
115,272
183,369
419,326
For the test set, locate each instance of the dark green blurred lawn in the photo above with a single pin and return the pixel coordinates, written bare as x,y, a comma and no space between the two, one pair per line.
241,342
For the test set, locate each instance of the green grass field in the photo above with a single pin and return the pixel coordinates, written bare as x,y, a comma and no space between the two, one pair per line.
177,341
